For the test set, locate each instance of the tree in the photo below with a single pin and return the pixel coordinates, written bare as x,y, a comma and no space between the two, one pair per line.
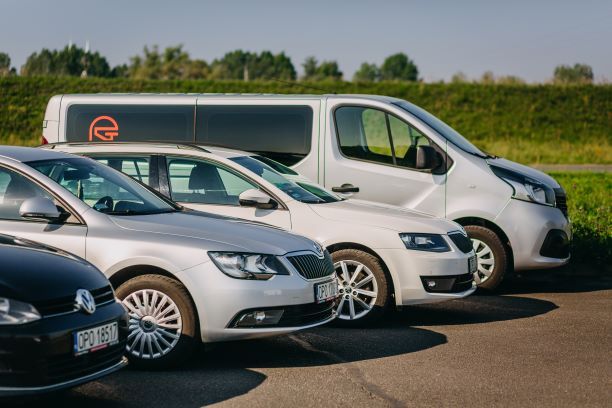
70,61
239,64
578,74
510,80
327,70
399,67
367,73
487,78
5,64
459,78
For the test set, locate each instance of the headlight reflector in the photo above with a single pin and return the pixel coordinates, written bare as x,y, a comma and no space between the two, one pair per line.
16,312
248,266
526,188
425,242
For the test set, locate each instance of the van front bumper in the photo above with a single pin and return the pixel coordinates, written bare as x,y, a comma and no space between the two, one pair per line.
412,270
539,235
221,301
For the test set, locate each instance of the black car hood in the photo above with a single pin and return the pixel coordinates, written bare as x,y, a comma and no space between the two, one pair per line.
37,273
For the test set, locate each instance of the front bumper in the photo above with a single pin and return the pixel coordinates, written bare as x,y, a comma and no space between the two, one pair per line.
529,228
38,357
409,269
219,299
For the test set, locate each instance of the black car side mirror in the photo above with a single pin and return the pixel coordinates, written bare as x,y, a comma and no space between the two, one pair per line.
427,158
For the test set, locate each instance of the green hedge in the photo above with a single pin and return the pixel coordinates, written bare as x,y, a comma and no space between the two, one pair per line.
527,123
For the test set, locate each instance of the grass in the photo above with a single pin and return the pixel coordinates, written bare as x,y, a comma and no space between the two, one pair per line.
589,198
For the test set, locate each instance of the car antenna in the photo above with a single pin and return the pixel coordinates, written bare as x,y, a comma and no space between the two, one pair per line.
294,83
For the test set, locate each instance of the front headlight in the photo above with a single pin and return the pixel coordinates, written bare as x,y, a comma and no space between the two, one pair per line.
425,242
526,188
248,266
16,312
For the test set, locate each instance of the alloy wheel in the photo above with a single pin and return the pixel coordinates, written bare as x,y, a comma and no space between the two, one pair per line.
485,259
155,324
358,289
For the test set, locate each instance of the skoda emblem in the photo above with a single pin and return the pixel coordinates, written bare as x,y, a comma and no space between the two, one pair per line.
85,301
318,249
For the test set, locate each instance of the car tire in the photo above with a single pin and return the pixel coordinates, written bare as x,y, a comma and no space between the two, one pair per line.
158,338
380,283
492,257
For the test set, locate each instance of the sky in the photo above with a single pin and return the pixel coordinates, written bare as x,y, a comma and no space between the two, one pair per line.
513,37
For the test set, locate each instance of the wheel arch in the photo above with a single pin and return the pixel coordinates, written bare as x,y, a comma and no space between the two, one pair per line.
482,222
353,245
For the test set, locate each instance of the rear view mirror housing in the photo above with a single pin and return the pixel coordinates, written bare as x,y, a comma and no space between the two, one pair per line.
427,158
39,208
258,199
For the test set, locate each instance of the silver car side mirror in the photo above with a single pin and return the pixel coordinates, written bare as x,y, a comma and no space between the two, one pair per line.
256,198
39,208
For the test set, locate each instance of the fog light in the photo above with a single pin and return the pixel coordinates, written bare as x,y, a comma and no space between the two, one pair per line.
431,284
259,318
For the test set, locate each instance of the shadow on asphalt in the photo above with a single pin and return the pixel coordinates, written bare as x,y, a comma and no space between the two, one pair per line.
562,280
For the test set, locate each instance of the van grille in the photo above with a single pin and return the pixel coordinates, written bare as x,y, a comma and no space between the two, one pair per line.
561,200
311,266
67,304
462,242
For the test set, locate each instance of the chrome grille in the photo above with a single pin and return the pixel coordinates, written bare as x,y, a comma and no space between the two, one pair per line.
311,266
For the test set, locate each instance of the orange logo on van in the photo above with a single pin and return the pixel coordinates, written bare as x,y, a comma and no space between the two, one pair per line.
105,133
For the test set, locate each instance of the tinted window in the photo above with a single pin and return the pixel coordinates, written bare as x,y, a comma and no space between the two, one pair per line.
283,133
197,181
135,167
123,123
14,190
374,135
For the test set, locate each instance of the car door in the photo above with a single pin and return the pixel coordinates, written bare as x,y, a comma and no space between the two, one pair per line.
212,187
372,149
69,234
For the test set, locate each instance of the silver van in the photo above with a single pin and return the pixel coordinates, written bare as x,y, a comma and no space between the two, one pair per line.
374,148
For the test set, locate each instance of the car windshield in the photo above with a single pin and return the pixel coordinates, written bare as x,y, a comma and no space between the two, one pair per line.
102,188
442,128
289,187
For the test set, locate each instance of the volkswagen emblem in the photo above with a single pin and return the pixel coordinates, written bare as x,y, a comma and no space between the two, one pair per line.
85,301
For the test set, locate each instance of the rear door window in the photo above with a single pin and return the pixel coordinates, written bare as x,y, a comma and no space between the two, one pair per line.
129,123
283,133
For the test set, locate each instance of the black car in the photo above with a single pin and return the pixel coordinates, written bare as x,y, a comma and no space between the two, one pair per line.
60,324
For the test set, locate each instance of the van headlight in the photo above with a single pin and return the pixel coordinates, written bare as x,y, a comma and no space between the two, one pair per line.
425,242
526,188
248,266
14,312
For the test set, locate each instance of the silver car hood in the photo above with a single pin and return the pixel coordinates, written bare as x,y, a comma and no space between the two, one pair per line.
217,233
527,171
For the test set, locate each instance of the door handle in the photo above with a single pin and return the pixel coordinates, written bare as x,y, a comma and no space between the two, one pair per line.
346,188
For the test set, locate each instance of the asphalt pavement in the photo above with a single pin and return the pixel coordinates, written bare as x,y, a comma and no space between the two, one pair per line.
546,340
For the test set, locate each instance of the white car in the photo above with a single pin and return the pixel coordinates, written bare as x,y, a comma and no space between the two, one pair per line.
183,275
383,254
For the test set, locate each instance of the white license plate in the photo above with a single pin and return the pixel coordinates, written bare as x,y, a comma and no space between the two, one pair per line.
472,264
326,291
95,338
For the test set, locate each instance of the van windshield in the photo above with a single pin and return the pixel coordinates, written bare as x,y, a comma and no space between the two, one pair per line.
442,128
295,190
102,188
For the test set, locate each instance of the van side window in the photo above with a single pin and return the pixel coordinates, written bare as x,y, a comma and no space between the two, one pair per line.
282,133
374,135
130,123
199,181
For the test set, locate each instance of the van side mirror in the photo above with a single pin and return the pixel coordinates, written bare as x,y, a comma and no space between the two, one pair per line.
39,208
427,158
258,199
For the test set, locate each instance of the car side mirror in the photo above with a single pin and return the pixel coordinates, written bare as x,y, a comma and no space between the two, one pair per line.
258,199
39,208
427,158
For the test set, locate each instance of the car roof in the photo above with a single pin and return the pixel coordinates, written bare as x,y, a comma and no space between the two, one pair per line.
28,154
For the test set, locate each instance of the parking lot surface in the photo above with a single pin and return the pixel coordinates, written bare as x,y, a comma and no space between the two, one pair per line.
546,340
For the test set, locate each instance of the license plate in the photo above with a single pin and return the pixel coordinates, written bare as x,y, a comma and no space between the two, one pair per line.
326,291
95,338
472,264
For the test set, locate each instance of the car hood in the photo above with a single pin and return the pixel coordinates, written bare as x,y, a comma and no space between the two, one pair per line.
218,233
527,171
383,216
37,275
